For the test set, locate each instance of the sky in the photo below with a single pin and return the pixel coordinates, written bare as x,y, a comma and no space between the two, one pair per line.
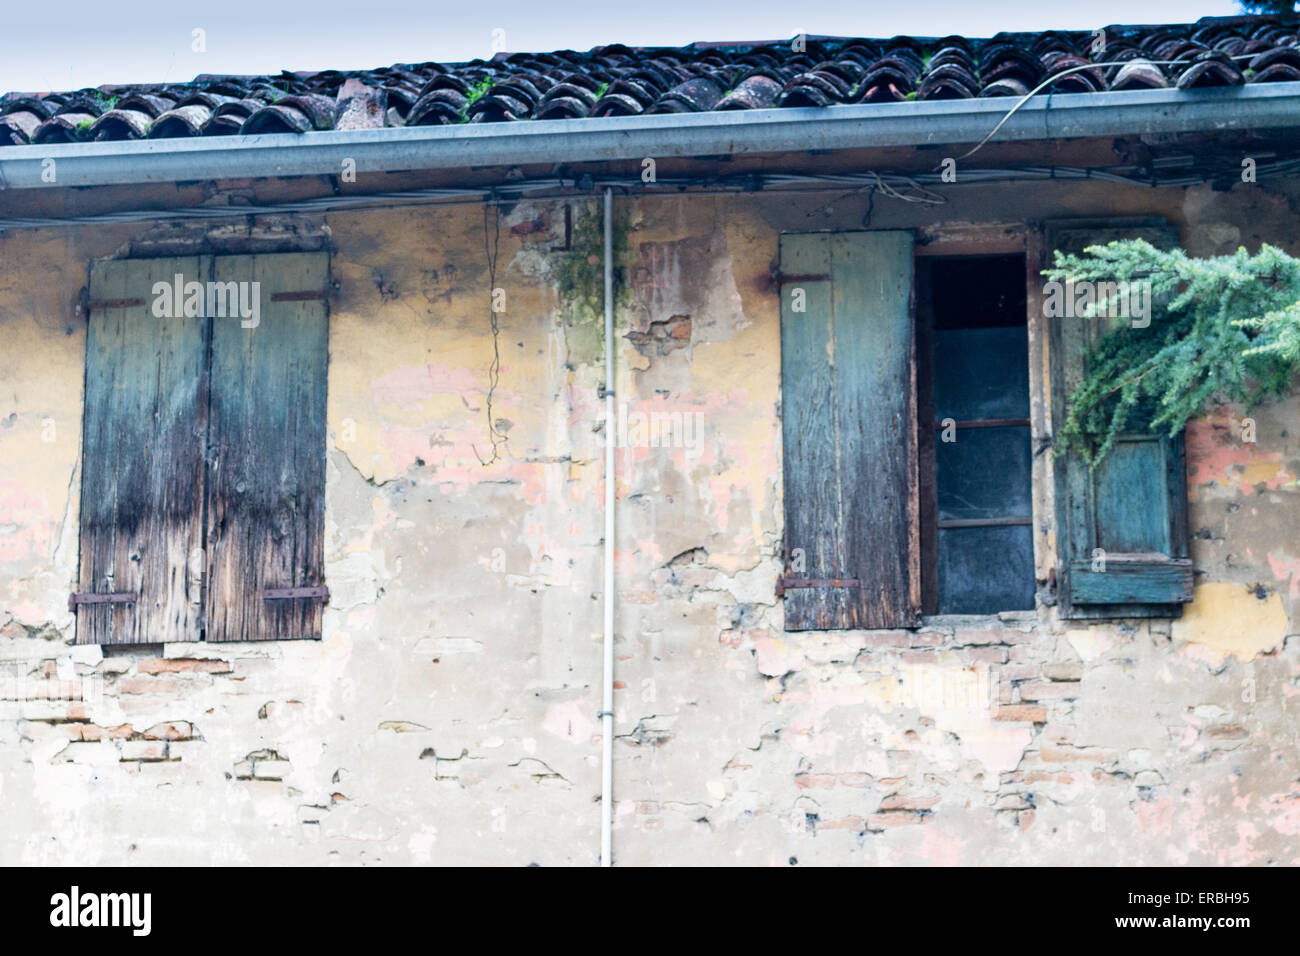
138,41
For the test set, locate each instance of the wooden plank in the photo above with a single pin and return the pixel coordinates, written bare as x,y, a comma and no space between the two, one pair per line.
1157,582
266,484
849,427
927,473
814,519
142,458
1130,500
875,378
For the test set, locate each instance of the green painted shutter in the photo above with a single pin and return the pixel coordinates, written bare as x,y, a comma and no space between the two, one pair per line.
266,461
142,459
1121,528
852,551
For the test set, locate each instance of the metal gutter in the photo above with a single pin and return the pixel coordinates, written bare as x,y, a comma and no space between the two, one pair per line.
924,123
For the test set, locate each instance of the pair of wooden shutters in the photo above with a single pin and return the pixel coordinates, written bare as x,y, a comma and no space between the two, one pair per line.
852,536
203,451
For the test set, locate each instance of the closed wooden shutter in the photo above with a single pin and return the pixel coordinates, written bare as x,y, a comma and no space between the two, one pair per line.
142,460
266,460
852,548
1121,527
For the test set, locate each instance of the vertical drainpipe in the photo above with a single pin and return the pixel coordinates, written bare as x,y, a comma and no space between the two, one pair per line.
607,696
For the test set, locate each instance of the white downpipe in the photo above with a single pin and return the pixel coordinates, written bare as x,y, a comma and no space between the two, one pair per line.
607,694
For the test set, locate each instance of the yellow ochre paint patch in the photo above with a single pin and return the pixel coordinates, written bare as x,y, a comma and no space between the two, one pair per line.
1230,619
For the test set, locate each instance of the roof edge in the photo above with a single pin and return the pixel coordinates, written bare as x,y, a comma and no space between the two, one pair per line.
397,149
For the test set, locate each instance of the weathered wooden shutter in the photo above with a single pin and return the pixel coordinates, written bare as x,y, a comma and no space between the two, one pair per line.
266,460
848,396
142,460
1122,528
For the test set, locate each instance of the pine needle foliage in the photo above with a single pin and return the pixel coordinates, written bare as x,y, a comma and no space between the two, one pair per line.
1223,328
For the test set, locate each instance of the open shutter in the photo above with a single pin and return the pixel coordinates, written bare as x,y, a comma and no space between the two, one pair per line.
266,463
848,396
1122,528
142,459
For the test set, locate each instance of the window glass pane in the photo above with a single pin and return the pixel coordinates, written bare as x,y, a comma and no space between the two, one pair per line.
981,373
985,473
986,570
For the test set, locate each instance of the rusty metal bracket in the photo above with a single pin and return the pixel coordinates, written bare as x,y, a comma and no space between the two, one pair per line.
796,584
90,597
282,594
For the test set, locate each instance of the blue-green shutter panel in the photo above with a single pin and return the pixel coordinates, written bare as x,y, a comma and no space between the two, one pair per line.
848,423
1121,527
141,464
266,456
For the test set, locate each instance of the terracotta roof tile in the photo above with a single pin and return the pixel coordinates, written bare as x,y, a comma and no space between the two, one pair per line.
618,80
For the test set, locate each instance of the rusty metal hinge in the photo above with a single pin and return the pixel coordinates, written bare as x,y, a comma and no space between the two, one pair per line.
283,594
307,295
794,584
90,597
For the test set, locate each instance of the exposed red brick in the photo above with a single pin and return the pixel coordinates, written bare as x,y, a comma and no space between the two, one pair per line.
174,730
979,635
1020,671
855,779
1063,670
1227,732
818,781
893,818
897,801
144,750
182,665
1018,637
152,685
843,823
928,639
888,639
1022,712
1049,690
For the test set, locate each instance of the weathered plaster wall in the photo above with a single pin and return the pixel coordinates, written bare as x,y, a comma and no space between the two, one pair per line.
450,713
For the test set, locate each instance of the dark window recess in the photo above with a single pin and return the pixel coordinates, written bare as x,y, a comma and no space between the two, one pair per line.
203,462
976,504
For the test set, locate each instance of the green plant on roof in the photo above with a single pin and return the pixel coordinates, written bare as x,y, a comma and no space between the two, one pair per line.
84,126
105,102
604,86
1222,328
476,93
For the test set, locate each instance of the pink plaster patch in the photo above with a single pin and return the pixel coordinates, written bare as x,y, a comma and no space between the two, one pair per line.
569,721
1216,455
1286,567
409,385
777,656
30,517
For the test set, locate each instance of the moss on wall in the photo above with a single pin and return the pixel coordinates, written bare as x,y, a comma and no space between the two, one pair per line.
579,276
